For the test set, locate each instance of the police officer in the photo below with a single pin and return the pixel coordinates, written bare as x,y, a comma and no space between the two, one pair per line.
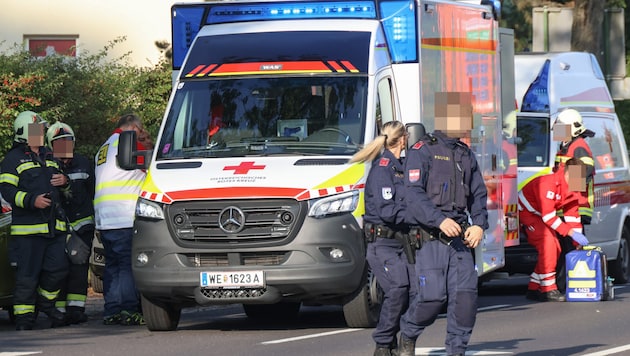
383,224
80,212
445,198
33,183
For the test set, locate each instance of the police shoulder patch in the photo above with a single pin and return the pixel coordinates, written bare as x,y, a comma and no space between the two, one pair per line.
383,162
414,175
417,145
387,193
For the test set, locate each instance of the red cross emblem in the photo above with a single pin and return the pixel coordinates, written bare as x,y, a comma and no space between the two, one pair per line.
243,168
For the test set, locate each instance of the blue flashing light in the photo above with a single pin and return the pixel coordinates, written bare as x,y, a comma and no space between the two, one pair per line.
536,98
185,22
399,23
224,13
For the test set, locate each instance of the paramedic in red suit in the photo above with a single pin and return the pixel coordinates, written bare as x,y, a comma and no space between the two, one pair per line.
216,115
538,203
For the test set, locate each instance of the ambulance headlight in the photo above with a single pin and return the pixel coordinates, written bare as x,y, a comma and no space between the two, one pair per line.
149,209
340,203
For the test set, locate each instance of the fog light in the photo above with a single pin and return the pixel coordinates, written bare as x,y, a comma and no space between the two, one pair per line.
336,254
142,259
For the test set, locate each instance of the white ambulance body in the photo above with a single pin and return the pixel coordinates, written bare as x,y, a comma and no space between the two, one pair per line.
249,196
545,85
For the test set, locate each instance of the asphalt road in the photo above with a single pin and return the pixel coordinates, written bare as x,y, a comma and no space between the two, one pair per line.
507,324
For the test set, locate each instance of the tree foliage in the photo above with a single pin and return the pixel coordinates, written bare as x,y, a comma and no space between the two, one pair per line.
88,93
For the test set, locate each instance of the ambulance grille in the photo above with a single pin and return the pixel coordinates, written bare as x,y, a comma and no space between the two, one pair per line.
226,223
241,259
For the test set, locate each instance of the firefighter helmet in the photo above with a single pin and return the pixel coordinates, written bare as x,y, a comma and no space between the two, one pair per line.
20,125
57,131
572,118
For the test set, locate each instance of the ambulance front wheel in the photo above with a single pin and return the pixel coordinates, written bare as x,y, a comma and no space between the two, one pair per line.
160,316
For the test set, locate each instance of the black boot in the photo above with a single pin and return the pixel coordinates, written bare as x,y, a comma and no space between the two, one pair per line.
552,296
57,318
406,347
25,321
382,351
76,315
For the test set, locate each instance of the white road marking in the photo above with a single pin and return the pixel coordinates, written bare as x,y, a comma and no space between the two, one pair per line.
20,353
435,351
280,341
614,350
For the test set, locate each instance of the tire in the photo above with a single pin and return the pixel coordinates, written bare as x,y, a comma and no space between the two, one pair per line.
96,282
620,268
282,311
364,307
160,316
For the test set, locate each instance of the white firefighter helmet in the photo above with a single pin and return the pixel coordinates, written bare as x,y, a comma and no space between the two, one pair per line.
20,125
572,118
57,131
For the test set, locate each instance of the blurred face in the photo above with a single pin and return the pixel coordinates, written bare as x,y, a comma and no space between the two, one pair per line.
454,113
561,132
575,176
36,135
63,148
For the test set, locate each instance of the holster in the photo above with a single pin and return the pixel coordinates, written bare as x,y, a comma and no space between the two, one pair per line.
410,244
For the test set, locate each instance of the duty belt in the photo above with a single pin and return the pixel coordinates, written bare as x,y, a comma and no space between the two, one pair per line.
374,231
426,236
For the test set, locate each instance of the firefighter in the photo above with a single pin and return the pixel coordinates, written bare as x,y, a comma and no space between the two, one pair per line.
80,212
538,204
573,144
33,183
445,197
384,213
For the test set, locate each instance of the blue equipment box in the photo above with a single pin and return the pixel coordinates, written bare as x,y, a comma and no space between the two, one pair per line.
587,276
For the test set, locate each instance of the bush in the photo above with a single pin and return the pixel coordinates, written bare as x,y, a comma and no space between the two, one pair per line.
88,93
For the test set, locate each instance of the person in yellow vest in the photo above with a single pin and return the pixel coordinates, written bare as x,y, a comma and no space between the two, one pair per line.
33,183
115,198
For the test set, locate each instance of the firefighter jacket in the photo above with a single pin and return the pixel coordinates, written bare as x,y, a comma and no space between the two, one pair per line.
80,206
26,175
116,190
384,192
547,194
443,180
579,149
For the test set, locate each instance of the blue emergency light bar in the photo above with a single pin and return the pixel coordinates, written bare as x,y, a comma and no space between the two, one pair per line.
291,11
536,98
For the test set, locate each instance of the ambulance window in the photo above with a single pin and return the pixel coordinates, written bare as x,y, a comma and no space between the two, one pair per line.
384,103
533,141
605,145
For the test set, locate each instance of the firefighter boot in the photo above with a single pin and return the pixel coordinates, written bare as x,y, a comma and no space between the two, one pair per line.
76,315
25,321
56,317
406,347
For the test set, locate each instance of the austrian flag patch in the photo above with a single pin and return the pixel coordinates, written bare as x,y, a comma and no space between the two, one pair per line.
414,175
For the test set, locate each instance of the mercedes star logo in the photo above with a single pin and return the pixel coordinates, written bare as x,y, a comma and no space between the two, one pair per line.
231,220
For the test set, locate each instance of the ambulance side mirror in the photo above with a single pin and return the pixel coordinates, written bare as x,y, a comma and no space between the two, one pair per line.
128,157
416,132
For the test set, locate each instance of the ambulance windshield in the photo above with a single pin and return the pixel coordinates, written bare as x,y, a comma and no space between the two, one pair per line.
307,115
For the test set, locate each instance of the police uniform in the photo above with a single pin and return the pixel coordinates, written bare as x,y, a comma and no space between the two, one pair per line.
443,181
80,211
383,218
538,202
38,235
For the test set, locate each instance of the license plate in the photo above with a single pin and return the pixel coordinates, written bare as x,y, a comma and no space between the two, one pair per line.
236,279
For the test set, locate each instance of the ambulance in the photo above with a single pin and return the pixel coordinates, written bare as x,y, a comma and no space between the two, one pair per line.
249,197
545,84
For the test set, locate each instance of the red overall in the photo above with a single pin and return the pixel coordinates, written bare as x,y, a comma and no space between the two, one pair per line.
538,202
